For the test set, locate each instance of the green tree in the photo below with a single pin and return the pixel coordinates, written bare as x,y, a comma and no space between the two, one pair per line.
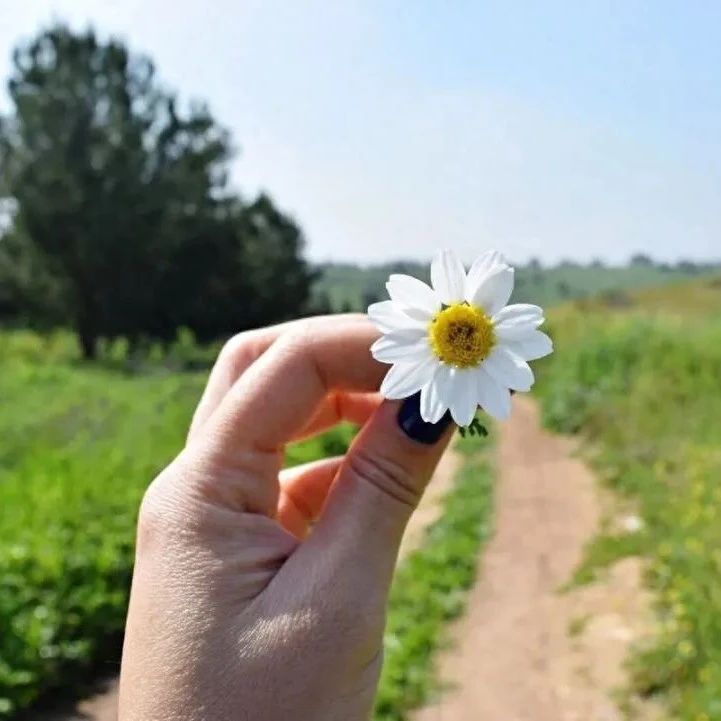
642,260
124,224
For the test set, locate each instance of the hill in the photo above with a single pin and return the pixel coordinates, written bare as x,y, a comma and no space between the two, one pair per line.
353,287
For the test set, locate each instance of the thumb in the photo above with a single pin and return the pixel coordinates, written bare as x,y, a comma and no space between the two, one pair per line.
377,488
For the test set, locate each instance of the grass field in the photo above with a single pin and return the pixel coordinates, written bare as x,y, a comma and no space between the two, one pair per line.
642,382
79,445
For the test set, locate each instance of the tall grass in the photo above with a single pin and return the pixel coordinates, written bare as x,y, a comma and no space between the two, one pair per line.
645,389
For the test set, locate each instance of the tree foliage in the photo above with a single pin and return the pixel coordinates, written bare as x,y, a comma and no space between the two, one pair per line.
124,223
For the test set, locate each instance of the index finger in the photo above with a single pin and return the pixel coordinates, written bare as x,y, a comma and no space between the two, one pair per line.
238,354
274,400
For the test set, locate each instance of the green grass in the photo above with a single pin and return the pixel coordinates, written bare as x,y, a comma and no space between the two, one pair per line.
79,446
578,625
644,386
430,589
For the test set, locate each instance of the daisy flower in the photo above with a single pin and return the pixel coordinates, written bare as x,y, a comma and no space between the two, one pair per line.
458,342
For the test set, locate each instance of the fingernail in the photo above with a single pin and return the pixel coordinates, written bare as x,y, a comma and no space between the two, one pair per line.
410,421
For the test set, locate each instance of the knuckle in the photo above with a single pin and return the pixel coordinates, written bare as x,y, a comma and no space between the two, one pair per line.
153,522
238,350
164,513
387,475
298,345
297,339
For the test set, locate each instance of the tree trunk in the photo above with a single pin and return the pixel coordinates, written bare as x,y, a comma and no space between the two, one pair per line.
88,343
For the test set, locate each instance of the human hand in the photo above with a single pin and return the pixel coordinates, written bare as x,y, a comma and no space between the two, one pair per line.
237,611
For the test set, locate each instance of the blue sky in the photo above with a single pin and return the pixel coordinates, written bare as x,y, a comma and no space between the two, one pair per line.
548,129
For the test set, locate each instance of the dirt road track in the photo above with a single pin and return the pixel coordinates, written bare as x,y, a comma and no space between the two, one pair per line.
514,658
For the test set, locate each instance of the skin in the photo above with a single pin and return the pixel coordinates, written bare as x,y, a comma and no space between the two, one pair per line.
238,611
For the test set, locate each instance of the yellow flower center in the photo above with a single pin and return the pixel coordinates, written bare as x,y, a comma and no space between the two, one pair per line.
461,335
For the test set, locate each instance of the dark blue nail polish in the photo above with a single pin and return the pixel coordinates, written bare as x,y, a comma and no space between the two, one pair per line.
409,419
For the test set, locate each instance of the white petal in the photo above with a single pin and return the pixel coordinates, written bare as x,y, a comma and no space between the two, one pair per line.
388,316
413,293
516,321
423,316
480,268
494,290
401,346
518,312
464,397
435,395
405,379
448,277
493,398
508,369
535,344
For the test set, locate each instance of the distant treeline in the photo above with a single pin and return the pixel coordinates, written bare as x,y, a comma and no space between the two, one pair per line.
349,287
116,218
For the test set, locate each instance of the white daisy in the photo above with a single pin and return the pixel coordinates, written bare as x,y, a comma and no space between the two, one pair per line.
458,343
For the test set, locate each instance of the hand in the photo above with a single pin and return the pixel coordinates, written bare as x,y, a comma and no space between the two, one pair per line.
237,611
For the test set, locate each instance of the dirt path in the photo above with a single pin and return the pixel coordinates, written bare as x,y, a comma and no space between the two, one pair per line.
523,651
103,706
